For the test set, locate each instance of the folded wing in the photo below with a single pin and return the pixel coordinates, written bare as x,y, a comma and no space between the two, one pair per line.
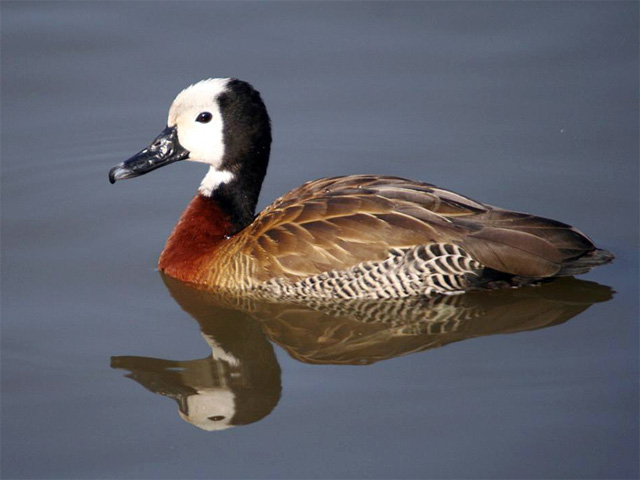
336,223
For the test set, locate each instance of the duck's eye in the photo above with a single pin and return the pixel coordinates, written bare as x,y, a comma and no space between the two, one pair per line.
217,418
204,117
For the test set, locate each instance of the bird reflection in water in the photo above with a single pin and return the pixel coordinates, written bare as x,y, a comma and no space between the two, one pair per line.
239,383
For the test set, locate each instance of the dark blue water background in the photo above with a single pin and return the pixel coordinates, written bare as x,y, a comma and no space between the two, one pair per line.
531,106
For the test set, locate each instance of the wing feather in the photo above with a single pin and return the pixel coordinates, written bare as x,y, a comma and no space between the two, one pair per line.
335,223
514,252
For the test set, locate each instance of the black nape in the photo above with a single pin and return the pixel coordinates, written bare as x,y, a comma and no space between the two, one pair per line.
247,144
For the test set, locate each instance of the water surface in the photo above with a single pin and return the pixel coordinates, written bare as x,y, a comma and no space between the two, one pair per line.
530,106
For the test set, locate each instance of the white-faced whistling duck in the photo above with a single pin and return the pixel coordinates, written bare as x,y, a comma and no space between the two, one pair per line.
360,236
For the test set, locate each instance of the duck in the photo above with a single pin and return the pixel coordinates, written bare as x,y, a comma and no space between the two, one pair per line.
348,237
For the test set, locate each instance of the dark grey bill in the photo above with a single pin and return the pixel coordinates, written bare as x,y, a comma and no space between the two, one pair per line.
164,149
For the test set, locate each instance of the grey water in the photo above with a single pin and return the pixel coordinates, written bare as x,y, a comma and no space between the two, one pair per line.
531,106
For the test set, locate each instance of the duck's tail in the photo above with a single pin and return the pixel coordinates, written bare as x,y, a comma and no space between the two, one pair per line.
584,263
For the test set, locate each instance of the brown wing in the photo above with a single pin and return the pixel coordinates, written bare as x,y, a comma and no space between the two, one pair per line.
335,223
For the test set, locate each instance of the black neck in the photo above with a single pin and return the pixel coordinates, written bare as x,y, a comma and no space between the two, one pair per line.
247,142
239,197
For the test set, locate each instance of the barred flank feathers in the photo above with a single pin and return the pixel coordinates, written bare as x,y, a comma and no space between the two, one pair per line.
435,269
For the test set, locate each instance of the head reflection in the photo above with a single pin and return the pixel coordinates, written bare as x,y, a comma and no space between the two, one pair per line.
238,384
211,409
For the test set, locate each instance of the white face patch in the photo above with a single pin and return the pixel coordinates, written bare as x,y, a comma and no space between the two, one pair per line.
211,409
203,140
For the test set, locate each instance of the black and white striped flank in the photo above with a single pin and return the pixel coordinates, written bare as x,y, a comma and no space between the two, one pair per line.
429,270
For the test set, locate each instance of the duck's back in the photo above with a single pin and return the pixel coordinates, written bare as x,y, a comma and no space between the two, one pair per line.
377,236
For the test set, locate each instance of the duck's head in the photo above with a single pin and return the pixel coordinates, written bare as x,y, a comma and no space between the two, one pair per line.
221,122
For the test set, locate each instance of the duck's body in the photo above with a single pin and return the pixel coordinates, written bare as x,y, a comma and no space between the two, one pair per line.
363,236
